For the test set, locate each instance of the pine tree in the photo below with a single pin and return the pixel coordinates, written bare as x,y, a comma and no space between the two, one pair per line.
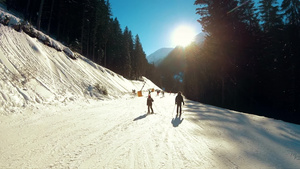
226,28
249,14
139,59
269,14
290,58
127,53
26,14
291,9
114,48
40,15
101,31
50,17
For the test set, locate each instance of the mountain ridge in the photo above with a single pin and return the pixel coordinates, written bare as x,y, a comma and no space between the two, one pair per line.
159,55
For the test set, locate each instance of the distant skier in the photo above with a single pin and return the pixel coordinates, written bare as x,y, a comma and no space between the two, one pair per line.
178,101
149,104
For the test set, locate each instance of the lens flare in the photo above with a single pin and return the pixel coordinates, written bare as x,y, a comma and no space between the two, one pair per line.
183,36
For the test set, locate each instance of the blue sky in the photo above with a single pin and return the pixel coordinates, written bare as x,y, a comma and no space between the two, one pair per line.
155,20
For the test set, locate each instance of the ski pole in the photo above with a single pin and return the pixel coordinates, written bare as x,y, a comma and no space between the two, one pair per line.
173,110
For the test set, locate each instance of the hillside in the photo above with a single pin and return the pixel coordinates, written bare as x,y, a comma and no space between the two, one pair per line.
158,56
199,38
33,72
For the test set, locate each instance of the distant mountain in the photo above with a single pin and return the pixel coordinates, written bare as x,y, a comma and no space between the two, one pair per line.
158,56
199,39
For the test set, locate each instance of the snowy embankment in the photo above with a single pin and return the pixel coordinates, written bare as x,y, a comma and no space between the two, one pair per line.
32,71
54,113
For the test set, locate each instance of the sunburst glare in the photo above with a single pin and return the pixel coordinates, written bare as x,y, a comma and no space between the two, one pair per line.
183,36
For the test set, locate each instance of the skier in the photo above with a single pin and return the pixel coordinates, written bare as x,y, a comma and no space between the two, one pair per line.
178,101
149,104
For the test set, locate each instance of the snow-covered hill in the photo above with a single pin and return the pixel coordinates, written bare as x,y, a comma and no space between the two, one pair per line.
59,112
33,72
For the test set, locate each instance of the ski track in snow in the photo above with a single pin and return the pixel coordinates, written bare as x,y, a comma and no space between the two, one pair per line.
119,134
101,136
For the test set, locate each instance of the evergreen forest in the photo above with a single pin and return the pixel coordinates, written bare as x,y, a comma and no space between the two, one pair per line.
250,60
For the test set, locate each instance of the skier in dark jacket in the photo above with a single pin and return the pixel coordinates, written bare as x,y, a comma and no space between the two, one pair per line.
149,104
178,101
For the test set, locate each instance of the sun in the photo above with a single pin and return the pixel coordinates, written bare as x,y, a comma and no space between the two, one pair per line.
183,36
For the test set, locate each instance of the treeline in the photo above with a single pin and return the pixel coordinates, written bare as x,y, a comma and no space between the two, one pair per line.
250,60
87,27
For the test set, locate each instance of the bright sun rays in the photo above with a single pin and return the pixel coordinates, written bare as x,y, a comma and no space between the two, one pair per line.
183,36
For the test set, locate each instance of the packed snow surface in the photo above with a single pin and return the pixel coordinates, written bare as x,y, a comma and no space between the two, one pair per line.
62,112
119,134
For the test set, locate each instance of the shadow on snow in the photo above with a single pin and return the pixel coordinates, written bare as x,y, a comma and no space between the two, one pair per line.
247,130
176,121
140,117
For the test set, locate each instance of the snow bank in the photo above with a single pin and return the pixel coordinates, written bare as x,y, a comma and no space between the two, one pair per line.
20,25
34,71
8,19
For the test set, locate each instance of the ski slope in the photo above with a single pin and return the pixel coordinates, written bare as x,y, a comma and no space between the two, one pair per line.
119,134
54,115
